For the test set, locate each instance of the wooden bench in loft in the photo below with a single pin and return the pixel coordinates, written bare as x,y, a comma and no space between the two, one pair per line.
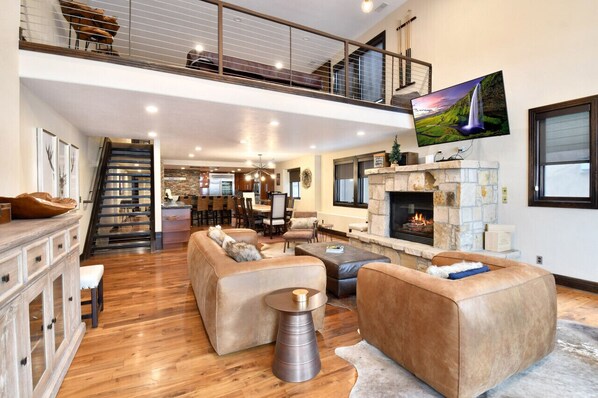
91,25
208,61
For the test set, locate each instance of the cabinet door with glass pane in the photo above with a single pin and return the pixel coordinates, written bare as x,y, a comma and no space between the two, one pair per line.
9,349
36,323
58,320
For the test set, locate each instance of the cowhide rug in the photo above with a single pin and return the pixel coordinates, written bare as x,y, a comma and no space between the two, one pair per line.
571,370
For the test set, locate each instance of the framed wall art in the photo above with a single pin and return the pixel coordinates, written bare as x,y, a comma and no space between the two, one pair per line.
74,173
64,167
46,162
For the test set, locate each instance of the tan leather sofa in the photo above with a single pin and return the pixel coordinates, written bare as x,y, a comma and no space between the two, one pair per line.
230,295
461,337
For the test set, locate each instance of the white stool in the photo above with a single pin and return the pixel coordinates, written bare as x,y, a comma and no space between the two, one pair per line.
92,277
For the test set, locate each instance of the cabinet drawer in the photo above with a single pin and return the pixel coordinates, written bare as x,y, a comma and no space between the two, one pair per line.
172,226
175,237
11,277
73,237
36,257
57,246
176,214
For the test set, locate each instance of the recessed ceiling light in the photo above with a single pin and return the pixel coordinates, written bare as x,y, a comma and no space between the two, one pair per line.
216,168
182,168
360,133
278,65
238,169
274,123
136,164
367,6
198,148
305,38
151,109
152,134
199,48
312,147
248,162
243,141
237,19
191,155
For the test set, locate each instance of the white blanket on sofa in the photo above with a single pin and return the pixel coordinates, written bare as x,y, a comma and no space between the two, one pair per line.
444,271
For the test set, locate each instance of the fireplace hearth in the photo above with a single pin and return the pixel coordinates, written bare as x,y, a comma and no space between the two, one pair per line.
412,216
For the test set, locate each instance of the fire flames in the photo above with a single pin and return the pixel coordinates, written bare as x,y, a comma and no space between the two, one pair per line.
419,223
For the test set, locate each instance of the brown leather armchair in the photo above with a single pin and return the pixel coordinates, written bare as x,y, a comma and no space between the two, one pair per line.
461,337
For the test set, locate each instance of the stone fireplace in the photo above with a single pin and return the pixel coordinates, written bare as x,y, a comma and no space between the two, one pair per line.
464,199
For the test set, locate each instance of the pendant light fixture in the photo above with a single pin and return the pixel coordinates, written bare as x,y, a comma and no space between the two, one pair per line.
367,6
259,172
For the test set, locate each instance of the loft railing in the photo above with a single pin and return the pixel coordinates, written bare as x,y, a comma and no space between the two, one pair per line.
228,40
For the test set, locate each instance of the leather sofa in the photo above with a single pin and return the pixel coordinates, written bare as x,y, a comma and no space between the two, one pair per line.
230,295
461,337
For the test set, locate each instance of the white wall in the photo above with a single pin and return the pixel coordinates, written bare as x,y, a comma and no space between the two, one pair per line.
35,113
547,52
310,197
9,100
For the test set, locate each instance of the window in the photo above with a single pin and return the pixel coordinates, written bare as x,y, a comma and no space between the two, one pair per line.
562,157
366,73
294,183
350,182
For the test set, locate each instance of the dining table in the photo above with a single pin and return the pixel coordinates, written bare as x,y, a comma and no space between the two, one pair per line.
264,209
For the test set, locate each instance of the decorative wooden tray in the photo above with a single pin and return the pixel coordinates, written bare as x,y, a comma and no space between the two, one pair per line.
38,205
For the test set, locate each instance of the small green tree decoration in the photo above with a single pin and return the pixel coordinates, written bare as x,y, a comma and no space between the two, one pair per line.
395,152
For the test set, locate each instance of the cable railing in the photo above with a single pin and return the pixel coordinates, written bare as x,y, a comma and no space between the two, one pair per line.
227,40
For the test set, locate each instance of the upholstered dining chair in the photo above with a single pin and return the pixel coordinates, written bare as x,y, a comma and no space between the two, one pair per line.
277,218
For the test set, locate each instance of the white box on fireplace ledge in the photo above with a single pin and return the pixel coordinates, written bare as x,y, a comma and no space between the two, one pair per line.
498,237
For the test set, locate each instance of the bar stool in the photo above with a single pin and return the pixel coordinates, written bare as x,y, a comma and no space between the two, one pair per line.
203,209
230,209
218,209
92,277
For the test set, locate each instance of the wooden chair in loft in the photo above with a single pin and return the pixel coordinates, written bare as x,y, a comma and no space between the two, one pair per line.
90,25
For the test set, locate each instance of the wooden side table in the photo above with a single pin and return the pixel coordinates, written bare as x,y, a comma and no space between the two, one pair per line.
296,357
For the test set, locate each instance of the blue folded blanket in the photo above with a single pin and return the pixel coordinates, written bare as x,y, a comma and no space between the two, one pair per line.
469,272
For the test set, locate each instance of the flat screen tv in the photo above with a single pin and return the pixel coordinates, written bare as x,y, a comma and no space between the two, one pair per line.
474,109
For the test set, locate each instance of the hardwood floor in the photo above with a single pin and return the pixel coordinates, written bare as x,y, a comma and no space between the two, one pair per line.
151,342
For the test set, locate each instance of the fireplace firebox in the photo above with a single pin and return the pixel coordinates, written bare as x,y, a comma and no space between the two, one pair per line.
412,216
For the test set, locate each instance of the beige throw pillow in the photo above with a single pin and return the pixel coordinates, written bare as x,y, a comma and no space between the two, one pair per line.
241,251
217,234
302,223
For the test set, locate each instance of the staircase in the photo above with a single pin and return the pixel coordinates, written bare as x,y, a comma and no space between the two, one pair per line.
122,215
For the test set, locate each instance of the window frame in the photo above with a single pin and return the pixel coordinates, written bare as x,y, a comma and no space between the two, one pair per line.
535,167
354,160
291,181
354,71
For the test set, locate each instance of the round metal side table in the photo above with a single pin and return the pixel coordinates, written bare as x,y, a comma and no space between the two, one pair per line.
296,356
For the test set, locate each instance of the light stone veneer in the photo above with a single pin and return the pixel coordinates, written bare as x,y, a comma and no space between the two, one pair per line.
465,200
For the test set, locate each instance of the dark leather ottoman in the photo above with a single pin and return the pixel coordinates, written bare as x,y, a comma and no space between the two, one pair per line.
341,268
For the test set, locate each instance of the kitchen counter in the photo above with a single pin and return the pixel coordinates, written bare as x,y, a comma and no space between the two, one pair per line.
176,224
175,205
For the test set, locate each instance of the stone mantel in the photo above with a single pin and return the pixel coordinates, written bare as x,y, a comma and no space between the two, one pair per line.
452,164
465,197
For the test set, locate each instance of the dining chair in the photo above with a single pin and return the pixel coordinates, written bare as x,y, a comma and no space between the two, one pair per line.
277,217
290,208
244,218
254,222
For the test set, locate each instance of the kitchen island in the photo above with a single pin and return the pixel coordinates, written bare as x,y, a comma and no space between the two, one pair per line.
176,224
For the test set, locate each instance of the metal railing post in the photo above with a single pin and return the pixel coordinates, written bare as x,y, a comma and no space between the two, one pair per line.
346,69
220,39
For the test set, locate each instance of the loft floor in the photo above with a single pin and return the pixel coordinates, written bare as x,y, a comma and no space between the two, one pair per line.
151,342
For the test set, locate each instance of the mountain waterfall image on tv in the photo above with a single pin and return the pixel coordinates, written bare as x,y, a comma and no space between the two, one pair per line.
474,109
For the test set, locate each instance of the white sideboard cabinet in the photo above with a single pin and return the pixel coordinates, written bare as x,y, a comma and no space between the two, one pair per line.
40,304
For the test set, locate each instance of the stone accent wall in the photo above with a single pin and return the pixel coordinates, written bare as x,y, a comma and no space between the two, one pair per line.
189,186
465,199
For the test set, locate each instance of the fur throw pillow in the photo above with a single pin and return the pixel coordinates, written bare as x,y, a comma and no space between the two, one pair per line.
227,240
444,271
217,234
241,251
302,223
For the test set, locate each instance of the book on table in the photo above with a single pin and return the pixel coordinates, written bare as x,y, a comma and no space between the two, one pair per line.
335,249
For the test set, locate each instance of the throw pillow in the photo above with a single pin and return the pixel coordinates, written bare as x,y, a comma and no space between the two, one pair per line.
444,271
217,234
241,251
227,239
302,223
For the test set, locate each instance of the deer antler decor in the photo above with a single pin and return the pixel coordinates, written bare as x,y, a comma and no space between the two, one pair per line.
50,153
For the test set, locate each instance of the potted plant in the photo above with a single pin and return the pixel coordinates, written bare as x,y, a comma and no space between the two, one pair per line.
395,152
